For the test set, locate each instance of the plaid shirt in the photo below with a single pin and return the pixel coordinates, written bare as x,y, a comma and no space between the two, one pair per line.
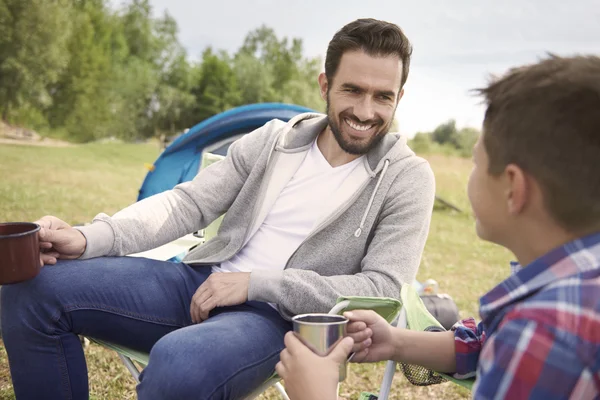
540,331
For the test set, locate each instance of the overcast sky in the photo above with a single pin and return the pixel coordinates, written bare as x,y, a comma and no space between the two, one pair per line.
457,43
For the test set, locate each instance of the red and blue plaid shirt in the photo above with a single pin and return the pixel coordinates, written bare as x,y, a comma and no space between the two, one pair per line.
540,331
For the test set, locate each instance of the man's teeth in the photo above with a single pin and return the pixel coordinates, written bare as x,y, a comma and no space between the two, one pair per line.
357,126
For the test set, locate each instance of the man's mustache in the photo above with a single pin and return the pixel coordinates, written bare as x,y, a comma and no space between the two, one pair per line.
357,120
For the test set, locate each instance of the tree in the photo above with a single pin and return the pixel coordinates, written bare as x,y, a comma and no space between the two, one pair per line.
216,88
446,133
446,139
173,100
270,69
304,89
421,142
83,71
467,137
33,40
255,79
161,92
83,95
138,30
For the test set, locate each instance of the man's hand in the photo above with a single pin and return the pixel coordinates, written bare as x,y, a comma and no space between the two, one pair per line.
59,240
219,290
372,336
307,375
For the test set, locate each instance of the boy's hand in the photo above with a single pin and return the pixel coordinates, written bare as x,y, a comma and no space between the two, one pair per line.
307,375
372,336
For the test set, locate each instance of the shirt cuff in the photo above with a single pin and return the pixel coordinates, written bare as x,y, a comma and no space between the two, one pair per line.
468,340
99,238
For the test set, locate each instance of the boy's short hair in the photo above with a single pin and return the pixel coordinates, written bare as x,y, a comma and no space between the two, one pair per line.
545,118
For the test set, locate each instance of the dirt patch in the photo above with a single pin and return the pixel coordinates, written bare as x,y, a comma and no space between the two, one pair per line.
43,142
10,134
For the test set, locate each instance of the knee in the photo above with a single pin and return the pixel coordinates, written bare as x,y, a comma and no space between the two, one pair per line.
29,303
28,293
13,299
177,370
14,311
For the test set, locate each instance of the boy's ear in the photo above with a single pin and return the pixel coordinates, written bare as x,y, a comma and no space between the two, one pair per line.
518,189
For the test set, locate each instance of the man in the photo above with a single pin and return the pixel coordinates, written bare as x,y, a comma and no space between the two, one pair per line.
535,189
323,206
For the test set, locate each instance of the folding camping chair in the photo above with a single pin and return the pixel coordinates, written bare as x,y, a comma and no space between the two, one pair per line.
408,312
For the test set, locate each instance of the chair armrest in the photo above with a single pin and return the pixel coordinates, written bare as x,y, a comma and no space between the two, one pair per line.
386,307
170,250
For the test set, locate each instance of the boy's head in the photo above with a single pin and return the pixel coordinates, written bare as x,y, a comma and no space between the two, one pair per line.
537,162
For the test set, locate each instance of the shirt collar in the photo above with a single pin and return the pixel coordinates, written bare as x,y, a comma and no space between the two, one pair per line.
573,258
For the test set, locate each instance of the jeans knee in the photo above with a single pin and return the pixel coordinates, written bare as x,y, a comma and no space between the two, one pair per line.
28,304
14,308
182,368
14,299
176,371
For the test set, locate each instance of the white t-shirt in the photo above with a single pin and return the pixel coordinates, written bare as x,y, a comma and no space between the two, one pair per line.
293,215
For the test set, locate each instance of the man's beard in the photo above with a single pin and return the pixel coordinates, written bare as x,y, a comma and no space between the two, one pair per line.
356,147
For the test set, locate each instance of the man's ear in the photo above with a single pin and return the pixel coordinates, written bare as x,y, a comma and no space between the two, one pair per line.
324,85
518,189
400,94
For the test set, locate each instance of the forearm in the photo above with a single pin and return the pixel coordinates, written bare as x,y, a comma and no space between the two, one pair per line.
304,291
142,226
432,350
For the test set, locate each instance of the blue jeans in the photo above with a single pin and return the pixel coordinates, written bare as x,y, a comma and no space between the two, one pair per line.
142,304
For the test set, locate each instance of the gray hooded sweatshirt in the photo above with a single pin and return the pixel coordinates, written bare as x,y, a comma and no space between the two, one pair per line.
368,243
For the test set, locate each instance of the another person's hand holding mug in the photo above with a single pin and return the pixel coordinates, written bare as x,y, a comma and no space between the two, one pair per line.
308,376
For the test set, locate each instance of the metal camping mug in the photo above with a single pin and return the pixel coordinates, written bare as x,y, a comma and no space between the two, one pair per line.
321,332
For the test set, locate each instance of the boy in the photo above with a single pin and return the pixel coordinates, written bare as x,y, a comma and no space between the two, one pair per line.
535,189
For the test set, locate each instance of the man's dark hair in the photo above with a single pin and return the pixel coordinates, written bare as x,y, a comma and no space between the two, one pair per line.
374,37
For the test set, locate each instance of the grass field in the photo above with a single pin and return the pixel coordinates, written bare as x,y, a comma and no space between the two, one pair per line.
77,182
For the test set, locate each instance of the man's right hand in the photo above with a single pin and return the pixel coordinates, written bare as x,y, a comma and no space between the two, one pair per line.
59,240
372,336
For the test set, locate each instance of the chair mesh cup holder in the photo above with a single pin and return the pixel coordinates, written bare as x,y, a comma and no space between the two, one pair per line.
421,376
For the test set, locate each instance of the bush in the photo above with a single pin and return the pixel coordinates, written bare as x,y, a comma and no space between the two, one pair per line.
446,139
422,143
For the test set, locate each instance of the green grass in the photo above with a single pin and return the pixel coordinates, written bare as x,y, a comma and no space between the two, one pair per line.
77,182
73,182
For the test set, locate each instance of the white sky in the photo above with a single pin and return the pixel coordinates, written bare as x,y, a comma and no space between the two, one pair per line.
457,43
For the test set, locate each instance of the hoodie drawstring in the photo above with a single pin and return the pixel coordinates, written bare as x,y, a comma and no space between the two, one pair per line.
358,232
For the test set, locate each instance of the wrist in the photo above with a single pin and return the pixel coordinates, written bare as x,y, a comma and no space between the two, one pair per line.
84,243
399,341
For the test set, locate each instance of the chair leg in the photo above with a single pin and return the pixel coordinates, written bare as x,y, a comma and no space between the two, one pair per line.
390,367
388,377
281,391
267,384
135,372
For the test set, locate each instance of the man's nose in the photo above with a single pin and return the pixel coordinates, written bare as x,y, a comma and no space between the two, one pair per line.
365,110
